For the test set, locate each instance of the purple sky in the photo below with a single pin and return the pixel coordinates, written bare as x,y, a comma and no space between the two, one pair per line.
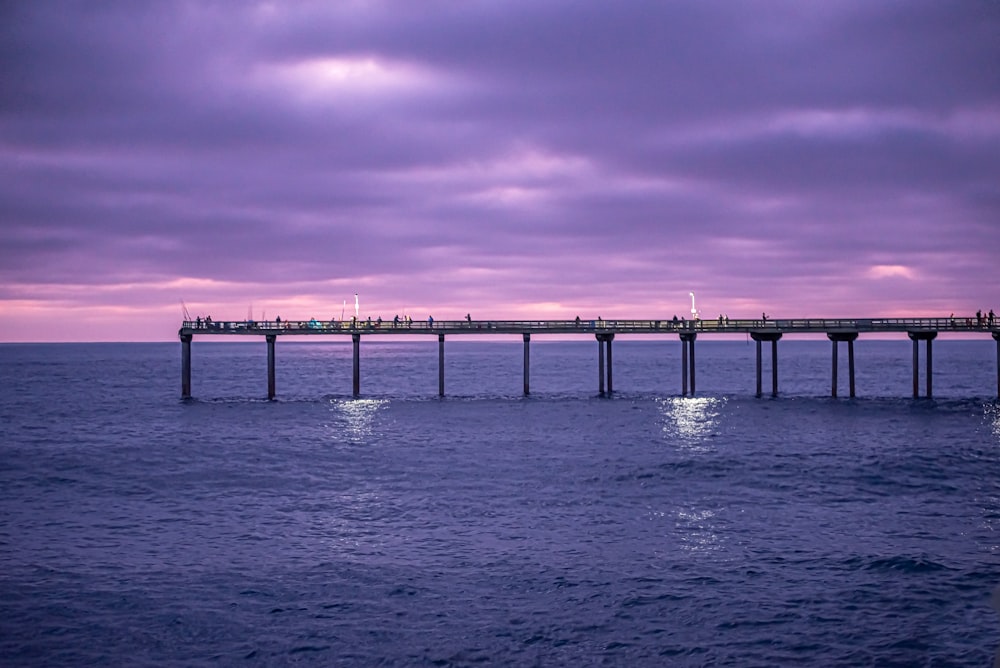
515,159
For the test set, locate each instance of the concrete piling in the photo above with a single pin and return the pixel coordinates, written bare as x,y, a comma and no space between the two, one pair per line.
186,365
356,386
917,337
687,362
996,337
604,340
758,338
270,367
835,339
527,344
440,365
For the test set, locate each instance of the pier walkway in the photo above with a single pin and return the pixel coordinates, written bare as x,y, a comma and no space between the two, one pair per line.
764,330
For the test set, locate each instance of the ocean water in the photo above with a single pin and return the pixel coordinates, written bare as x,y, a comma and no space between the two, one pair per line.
489,528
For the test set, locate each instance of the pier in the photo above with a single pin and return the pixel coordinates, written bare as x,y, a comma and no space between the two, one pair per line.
839,330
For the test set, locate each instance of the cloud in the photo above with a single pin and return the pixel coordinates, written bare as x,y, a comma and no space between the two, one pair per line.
890,271
507,158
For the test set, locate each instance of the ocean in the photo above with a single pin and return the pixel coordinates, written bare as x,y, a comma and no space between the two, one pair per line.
489,528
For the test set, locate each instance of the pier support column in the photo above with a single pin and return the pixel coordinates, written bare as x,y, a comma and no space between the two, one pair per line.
600,365
930,366
773,337
687,362
604,340
996,337
440,365
760,391
836,338
774,367
611,366
850,364
833,375
527,366
917,337
270,366
186,366
356,338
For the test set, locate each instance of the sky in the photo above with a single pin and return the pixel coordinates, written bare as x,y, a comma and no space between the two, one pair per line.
523,159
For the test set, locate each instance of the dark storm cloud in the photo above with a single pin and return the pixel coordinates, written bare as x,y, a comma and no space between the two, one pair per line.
505,152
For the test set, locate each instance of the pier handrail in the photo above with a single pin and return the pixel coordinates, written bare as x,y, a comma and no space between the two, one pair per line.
623,326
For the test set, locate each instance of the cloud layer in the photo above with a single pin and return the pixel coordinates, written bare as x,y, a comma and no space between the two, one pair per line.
515,159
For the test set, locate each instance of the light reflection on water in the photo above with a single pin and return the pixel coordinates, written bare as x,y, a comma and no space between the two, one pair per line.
355,417
689,424
347,529
692,419
697,528
991,503
993,415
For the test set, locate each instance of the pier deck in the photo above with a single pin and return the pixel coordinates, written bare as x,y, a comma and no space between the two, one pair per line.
782,326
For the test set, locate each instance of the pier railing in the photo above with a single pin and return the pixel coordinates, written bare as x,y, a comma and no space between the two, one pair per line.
717,326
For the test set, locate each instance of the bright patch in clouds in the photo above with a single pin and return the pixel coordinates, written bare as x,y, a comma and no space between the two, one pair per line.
520,165
890,271
322,77
510,196
521,177
856,123
841,122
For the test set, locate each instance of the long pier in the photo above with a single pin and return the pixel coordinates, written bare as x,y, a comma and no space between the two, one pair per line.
765,330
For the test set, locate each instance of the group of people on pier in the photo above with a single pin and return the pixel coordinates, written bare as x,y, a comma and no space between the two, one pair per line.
986,321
